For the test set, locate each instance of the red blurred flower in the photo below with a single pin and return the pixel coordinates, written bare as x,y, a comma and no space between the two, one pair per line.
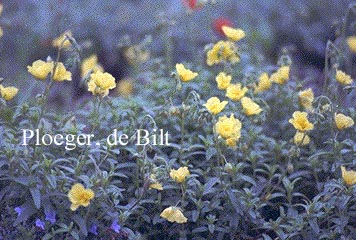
219,23
191,4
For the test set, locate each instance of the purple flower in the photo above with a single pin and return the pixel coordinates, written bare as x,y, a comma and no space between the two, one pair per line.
51,217
115,226
40,224
18,210
93,229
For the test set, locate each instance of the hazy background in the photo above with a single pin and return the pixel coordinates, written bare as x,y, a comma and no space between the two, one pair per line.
303,26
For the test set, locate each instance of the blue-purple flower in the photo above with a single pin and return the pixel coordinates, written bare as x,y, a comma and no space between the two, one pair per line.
40,224
18,210
115,226
51,217
93,229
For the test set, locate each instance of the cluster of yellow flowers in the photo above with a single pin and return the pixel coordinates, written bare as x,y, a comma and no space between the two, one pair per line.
40,70
226,51
342,121
302,125
281,76
173,213
343,78
8,93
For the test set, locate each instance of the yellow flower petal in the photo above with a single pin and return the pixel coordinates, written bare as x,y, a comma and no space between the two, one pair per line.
214,105
306,98
343,78
229,128
8,93
90,64
301,139
300,121
348,176
234,34
351,42
342,121
61,42
125,87
222,51
281,76
223,80
185,74
40,69
235,92
180,174
173,214
61,73
250,107
264,83
79,196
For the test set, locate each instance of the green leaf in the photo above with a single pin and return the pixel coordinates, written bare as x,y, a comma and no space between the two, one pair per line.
36,196
210,153
81,223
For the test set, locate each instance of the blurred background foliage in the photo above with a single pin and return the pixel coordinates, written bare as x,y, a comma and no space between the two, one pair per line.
303,27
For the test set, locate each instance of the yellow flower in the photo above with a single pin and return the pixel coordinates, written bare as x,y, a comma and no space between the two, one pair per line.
125,87
348,176
58,42
40,69
351,42
301,139
264,83
100,83
231,142
90,64
343,78
157,186
79,196
174,214
93,88
223,51
154,184
343,122
61,73
136,55
250,107
8,93
104,81
234,34
180,174
229,128
281,76
223,80
185,74
306,98
235,91
214,105
300,121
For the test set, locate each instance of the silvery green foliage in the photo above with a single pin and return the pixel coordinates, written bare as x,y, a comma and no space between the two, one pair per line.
270,189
